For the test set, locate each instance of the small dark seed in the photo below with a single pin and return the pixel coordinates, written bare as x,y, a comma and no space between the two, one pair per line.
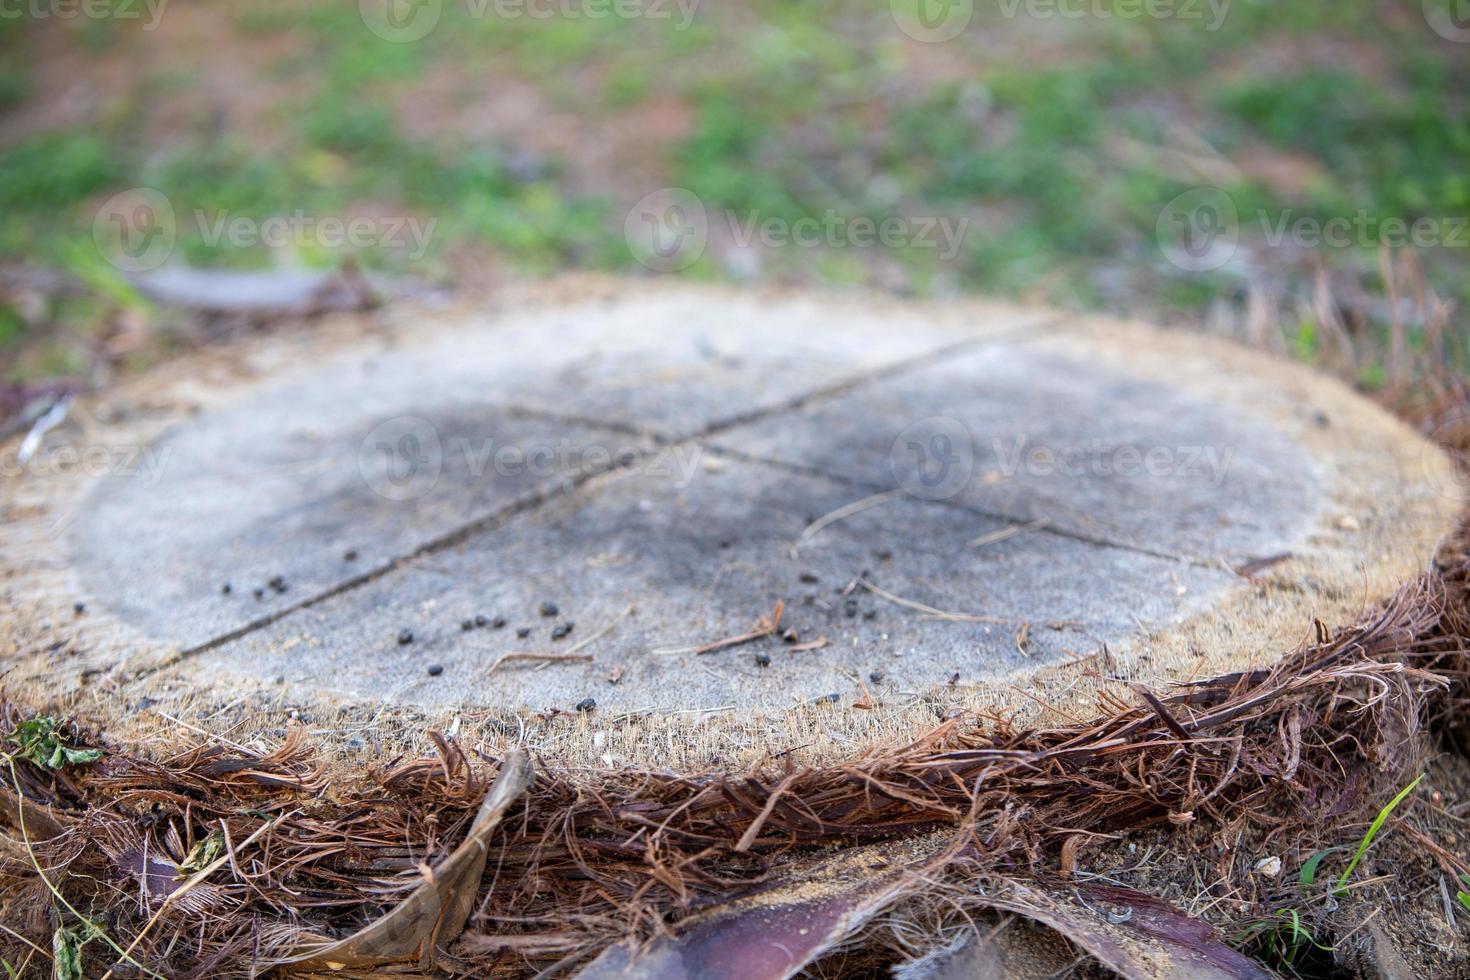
850,608
498,622
226,589
350,555
586,704
763,660
562,630
876,676
405,637
523,632
807,577
481,621
549,609
79,608
871,614
259,593
834,697
790,636
467,625
435,670
726,545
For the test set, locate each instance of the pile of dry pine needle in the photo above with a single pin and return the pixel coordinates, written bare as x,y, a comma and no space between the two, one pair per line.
213,861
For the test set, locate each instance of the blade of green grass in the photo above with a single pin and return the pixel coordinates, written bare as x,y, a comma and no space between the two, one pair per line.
1373,829
1308,873
102,277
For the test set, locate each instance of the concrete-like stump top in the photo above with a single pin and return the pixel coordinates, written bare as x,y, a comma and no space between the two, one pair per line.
508,513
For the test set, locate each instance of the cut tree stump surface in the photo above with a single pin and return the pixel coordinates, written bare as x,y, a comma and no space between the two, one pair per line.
1094,502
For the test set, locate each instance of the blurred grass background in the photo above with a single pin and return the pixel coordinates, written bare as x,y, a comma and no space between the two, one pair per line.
526,140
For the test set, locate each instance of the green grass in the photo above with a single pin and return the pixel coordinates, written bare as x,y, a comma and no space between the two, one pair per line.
1285,939
11,327
55,170
1398,157
1307,877
1033,129
1372,832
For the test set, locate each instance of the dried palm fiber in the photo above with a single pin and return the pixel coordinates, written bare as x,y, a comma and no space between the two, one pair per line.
586,858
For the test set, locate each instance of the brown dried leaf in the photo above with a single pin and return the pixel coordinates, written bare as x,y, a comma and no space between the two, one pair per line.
435,913
1137,936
